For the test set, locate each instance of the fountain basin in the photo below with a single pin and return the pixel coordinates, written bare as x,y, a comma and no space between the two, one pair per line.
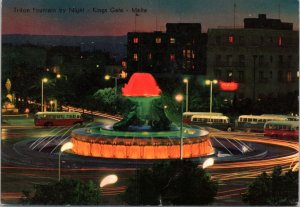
102,141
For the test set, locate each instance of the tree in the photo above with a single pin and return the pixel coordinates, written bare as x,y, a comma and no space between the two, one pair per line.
175,183
67,191
107,100
276,189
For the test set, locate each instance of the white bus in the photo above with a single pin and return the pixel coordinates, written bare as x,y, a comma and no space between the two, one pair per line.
256,122
187,116
215,121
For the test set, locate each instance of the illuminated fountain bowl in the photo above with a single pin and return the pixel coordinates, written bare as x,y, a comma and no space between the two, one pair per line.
104,142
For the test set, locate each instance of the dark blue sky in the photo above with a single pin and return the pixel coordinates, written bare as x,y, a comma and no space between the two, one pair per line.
210,13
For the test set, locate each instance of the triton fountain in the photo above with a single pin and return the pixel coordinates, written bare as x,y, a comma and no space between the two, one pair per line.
145,132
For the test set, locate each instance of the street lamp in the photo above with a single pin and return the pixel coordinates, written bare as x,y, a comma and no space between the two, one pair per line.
44,80
210,82
60,75
179,99
186,81
122,75
64,147
108,180
107,77
51,105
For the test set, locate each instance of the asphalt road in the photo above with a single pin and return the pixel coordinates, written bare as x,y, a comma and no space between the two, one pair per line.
22,164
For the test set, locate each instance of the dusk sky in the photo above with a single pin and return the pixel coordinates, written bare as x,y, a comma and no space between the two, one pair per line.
24,17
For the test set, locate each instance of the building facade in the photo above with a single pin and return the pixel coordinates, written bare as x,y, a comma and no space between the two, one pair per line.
262,57
180,49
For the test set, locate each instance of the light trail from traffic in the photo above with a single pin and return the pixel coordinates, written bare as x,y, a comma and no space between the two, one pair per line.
226,172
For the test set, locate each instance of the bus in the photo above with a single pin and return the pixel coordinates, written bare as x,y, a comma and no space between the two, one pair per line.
57,118
256,122
215,121
187,116
282,129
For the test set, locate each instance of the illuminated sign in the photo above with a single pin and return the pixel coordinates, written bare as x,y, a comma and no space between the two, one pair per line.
228,86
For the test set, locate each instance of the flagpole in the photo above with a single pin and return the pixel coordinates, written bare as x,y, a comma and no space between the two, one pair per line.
135,21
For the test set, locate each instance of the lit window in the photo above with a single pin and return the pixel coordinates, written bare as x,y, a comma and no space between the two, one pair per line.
280,41
289,76
135,57
158,40
230,39
193,55
172,40
124,64
298,74
135,40
188,53
150,56
172,57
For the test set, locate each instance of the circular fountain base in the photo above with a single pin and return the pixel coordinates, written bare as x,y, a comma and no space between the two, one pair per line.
106,143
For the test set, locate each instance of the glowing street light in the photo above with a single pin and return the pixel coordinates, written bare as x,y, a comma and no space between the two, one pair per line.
208,162
210,82
44,80
60,75
51,104
122,75
108,180
64,147
186,81
179,99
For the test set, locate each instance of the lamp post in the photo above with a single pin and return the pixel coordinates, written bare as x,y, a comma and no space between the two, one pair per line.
60,75
210,82
122,75
64,147
186,81
179,99
44,80
107,77
51,105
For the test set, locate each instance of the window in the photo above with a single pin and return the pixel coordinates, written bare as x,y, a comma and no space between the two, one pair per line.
280,41
158,40
172,57
289,76
261,60
218,60
289,61
229,75
241,40
188,53
261,76
241,76
261,40
135,40
172,40
229,60
242,60
231,39
135,57
150,56
280,76
217,74
218,40
271,74
271,59
280,59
